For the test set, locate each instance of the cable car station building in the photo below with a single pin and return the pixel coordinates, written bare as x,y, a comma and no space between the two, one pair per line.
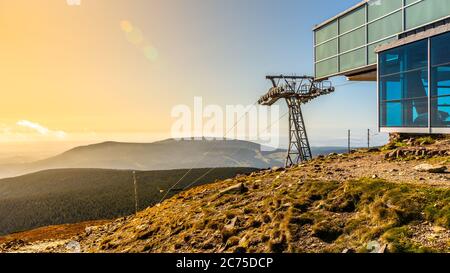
403,45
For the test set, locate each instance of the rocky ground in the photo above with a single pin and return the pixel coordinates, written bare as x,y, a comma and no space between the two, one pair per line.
394,199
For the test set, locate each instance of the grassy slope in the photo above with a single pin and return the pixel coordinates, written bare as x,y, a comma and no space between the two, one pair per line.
325,205
57,232
287,215
74,195
314,207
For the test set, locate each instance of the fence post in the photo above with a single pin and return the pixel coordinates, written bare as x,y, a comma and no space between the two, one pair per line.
349,148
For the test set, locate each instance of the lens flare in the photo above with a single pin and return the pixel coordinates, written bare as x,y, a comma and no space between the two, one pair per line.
126,26
151,53
135,36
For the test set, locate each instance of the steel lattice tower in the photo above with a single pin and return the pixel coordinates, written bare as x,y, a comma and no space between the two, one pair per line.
296,90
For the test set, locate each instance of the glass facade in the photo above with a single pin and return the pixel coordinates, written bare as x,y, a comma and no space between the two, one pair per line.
414,84
440,81
348,41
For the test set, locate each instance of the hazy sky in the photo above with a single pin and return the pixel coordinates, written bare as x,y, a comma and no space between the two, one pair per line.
113,69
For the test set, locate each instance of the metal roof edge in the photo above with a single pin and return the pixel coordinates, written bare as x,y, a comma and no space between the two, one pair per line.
414,38
316,27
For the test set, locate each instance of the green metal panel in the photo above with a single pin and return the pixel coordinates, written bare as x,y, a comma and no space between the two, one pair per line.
354,59
366,26
407,2
327,67
425,12
352,20
371,50
327,32
379,8
326,50
352,39
385,27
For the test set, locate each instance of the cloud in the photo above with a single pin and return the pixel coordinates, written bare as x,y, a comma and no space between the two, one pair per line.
41,129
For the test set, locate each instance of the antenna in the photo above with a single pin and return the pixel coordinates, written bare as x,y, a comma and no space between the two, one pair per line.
296,91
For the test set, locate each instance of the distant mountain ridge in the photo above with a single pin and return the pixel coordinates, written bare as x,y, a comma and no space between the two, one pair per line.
162,155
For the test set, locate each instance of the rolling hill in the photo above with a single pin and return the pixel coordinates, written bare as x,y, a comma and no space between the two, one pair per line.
75,195
164,155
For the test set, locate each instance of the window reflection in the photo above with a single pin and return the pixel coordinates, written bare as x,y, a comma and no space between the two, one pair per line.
440,79
403,85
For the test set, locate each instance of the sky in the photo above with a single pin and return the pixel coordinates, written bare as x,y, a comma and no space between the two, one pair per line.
115,69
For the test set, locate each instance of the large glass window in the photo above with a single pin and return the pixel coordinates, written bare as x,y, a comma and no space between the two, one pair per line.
370,24
327,32
327,67
403,86
352,20
326,50
425,12
353,59
385,27
372,56
378,8
352,40
440,81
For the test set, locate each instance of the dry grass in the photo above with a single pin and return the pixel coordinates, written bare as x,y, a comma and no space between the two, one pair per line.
59,232
303,209
286,216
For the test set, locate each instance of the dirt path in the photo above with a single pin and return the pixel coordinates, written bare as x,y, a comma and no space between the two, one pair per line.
373,165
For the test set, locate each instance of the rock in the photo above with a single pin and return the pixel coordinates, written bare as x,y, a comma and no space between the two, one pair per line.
348,250
229,230
374,247
374,176
383,249
391,155
430,168
438,229
433,153
238,188
73,247
277,169
90,230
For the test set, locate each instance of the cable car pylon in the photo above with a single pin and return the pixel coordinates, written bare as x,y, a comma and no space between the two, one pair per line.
296,91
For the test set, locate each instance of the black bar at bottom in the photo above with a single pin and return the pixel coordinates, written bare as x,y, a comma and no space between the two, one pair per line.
225,262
